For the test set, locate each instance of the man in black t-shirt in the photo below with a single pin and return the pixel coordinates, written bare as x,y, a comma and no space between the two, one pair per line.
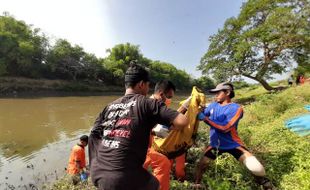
119,139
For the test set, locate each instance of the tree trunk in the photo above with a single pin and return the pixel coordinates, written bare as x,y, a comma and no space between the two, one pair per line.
261,81
265,85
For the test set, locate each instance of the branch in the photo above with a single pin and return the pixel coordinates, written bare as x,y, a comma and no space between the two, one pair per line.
249,76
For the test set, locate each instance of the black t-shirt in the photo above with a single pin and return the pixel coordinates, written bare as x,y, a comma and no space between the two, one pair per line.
120,136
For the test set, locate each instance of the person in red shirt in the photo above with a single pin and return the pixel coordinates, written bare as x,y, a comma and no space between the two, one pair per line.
302,79
77,160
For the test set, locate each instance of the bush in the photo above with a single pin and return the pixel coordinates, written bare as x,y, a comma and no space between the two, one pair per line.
240,84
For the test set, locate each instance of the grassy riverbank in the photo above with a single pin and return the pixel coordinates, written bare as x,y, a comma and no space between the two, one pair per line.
284,154
18,85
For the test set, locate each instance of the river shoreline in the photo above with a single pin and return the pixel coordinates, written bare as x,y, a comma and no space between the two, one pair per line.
19,87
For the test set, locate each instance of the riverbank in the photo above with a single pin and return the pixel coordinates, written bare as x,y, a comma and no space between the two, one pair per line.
18,86
26,87
284,154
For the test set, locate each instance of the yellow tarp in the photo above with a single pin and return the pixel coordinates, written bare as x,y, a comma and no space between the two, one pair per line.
178,141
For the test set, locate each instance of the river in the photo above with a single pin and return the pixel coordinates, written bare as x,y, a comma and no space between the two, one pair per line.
37,133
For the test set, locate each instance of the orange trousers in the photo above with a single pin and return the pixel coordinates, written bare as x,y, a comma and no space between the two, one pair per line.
179,167
161,167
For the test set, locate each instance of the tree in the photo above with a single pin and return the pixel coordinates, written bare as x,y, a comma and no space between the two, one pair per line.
302,53
204,82
66,60
260,42
119,58
161,70
22,49
25,51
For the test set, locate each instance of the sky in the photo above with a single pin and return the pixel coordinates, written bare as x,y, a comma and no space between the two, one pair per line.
173,31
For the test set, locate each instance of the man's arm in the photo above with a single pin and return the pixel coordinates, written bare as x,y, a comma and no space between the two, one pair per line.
95,137
182,109
162,131
180,122
166,116
97,130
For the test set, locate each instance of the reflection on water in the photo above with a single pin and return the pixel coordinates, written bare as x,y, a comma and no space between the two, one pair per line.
36,136
26,125
38,168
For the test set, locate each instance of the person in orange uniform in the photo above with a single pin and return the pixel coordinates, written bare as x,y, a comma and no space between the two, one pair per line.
179,167
77,160
160,164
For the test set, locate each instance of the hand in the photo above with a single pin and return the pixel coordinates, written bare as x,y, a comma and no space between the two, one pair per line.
161,131
186,102
201,116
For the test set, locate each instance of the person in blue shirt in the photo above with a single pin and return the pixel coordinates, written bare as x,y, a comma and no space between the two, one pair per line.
223,117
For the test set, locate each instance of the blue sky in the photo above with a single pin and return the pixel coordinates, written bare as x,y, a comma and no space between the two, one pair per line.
174,31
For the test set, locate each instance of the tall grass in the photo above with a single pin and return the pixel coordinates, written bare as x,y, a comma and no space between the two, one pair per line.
284,154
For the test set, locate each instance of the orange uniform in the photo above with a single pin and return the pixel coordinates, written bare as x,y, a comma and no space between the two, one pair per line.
160,165
179,167
77,156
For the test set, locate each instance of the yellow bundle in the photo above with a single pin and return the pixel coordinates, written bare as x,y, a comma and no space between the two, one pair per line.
179,141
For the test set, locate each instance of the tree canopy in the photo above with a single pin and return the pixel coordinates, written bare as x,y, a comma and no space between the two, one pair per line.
26,51
22,49
265,39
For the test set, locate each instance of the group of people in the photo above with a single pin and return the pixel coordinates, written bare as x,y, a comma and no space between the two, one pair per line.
300,80
120,151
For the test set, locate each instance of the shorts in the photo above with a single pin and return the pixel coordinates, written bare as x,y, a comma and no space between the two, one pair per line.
132,180
212,152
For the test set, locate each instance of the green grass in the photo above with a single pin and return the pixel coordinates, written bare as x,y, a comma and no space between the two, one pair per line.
284,154
65,184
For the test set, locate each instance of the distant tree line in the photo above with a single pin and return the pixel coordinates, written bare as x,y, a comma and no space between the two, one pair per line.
26,52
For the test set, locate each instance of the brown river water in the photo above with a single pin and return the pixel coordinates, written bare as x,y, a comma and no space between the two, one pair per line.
37,133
